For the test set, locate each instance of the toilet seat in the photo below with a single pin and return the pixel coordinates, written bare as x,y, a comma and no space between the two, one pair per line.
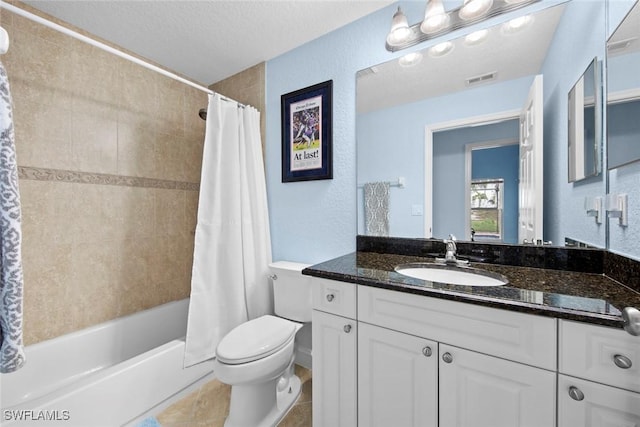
255,339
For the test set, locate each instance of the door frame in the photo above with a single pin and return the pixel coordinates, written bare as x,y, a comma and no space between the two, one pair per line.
432,128
468,168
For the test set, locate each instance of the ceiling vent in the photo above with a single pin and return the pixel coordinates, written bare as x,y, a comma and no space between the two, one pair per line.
481,79
620,45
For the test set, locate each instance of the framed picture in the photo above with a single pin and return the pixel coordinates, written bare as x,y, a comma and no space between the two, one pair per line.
306,133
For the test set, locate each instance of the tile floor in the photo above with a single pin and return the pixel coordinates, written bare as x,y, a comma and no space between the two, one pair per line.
208,406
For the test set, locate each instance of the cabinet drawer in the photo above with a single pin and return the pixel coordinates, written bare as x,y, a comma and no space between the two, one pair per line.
515,336
334,297
595,405
590,352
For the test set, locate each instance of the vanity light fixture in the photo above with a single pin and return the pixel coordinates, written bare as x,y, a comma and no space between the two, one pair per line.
437,21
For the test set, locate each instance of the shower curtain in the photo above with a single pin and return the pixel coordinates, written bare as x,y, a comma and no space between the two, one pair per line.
232,251
11,347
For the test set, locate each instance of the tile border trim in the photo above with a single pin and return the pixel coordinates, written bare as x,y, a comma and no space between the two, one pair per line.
59,175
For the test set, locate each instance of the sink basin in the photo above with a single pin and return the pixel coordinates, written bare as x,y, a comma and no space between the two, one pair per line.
452,274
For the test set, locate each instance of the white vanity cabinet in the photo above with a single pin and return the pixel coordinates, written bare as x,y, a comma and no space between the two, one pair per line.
389,358
397,379
599,381
466,385
477,390
334,347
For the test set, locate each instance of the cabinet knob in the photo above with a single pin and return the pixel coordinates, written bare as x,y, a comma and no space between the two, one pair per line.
575,393
347,328
447,357
427,351
330,297
621,361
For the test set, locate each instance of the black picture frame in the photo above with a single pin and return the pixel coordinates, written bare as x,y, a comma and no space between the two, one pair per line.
307,140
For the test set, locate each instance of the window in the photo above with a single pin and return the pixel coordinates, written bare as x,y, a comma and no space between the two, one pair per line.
486,209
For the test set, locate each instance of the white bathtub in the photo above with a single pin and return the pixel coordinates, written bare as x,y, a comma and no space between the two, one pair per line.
112,374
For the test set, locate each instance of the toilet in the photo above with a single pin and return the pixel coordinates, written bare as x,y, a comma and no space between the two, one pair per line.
256,358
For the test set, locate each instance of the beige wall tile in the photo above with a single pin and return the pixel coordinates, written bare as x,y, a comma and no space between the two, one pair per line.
94,141
94,252
136,150
247,87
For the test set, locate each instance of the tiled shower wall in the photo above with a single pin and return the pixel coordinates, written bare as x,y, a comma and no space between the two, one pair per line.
247,87
109,156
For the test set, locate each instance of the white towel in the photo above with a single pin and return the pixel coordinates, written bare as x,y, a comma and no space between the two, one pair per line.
376,208
11,347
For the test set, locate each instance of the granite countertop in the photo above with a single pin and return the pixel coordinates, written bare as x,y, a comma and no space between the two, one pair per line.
584,297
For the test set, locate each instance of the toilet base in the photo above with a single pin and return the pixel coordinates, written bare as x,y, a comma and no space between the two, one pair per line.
256,411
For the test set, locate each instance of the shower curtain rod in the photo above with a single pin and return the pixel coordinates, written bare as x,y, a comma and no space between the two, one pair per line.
107,48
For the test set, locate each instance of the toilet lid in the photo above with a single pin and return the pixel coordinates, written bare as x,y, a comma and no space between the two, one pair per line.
255,339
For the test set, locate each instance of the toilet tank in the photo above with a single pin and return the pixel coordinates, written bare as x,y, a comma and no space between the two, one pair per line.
291,291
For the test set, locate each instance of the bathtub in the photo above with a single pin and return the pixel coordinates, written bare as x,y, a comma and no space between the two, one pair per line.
112,374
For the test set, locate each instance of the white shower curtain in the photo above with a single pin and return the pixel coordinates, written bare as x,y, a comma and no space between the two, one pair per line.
232,252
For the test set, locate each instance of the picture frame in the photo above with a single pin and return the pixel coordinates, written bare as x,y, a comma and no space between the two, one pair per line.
307,124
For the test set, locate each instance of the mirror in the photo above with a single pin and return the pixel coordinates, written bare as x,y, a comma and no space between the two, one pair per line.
623,92
584,125
480,86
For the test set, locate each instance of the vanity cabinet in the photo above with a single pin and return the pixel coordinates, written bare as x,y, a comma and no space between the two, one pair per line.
334,346
397,379
479,390
599,381
466,384
395,358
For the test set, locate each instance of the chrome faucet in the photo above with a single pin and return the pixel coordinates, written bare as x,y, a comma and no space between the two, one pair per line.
450,256
451,249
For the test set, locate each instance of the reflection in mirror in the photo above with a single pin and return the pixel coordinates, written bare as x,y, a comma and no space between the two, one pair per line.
491,154
584,125
467,85
623,92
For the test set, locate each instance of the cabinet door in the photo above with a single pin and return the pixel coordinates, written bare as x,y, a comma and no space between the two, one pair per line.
334,343
397,379
477,390
585,403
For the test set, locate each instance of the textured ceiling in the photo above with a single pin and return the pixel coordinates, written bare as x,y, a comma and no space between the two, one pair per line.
208,40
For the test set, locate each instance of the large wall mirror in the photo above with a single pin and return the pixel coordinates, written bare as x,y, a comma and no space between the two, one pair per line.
469,134
623,121
623,92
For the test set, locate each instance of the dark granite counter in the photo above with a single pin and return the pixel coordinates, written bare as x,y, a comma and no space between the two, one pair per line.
586,297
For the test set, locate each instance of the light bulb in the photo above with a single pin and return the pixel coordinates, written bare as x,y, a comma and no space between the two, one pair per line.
410,59
440,49
435,18
476,37
399,32
473,9
517,24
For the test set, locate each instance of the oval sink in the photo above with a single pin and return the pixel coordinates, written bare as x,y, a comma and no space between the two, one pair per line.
452,274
